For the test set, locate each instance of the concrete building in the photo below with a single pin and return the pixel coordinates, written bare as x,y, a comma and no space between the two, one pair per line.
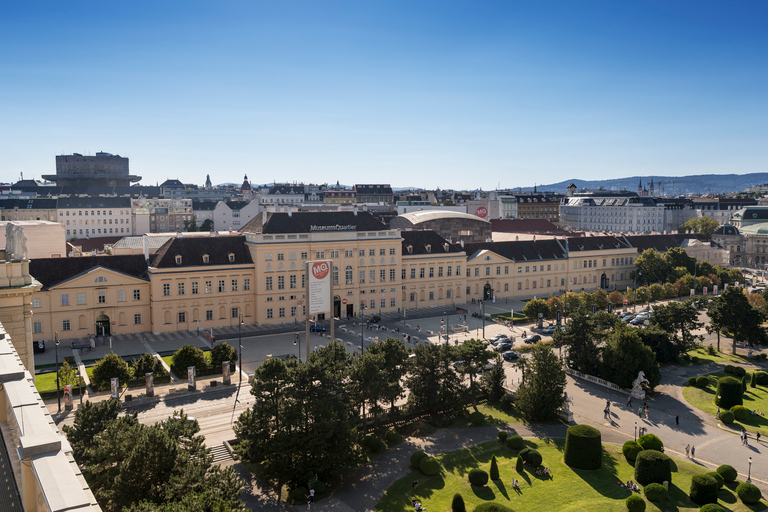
374,193
612,213
95,216
336,196
203,210
167,214
232,215
730,239
80,172
453,226
28,209
282,194
539,206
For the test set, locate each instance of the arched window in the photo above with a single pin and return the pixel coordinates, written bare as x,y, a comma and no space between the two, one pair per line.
335,274
348,274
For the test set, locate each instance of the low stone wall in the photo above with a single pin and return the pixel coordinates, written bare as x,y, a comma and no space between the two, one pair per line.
596,380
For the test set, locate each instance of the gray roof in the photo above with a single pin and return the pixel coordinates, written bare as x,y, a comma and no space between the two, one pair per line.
137,242
428,215
94,202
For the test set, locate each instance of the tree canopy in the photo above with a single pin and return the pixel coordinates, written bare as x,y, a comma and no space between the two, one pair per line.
542,389
700,225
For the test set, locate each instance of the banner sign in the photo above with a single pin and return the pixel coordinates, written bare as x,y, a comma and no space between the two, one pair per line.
225,372
149,379
115,385
68,396
319,286
191,377
714,290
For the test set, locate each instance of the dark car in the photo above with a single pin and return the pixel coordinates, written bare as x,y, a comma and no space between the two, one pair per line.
533,338
375,319
503,347
316,328
509,355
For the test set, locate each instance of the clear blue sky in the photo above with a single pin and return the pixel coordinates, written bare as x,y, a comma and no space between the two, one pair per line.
451,94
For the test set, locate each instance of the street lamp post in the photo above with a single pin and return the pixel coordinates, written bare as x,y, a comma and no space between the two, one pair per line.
749,472
56,344
296,341
482,309
362,336
635,431
240,344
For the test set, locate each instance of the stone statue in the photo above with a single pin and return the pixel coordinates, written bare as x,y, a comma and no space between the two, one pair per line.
15,243
10,242
565,413
637,385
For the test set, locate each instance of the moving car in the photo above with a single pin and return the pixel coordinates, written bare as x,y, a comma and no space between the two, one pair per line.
549,330
503,347
509,355
316,328
533,338
499,337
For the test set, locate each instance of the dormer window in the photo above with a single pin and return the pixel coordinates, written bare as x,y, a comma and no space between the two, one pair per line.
206,258
231,257
409,249
446,247
101,279
178,259
429,248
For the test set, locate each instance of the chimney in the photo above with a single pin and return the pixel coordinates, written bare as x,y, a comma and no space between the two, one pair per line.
290,212
462,243
145,246
354,210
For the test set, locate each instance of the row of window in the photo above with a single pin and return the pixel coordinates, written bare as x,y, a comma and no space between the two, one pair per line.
281,312
101,298
423,272
333,254
96,213
98,231
268,282
181,287
98,221
412,297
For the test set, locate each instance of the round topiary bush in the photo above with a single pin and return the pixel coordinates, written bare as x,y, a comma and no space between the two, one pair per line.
728,473
740,412
319,487
457,505
478,477
730,391
299,494
727,417
223,352
429,466
717,476
188,356
502,435
729,369
655,492
711,507
691,381
703,489
477,418
583,447
416,458
112,366
630,450
374,444
490,506
392,437
635,503
749,494
761,378
702,382
739,372
515,442
652,466
531,457
650,442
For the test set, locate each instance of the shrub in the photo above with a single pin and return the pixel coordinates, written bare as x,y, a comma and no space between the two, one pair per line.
531,457
502,435
494,469
416,458
753,381
299,494
429,466
744,383
703,489
635,503
717,476
519,465
583,447
729,369
650,442
188,356
108,368
711,507
319,487
730,391
727,417
478,477
761,378
655,492
477,418
392,437
749,494
702,382
148,363
691,381
515,442
457,505
740,412
652,466
728,473
374,444
630,450
738,371
490,506
223,352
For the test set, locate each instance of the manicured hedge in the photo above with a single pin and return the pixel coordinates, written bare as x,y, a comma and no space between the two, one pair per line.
583,447
740,412
728,473
727,417
652,466
531,457
728,369
630,450
490,506
477,418
429,466
739,372
635,503
515,442
393,437
703,489
761,378
655,492
494,472
711,507
299,494
717,476
749,494
691,381
416,458
519,464
650,442
702,382
730,391
503,435
374,444
478,477
457,505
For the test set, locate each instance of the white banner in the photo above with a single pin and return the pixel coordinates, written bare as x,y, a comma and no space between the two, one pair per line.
319,286
714,290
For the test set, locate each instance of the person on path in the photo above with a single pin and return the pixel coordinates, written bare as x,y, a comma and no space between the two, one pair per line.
640,412
607,404
687,449
677,420
646,412
629,401
693,452
757,436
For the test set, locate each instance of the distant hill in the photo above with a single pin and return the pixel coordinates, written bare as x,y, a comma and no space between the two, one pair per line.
671,185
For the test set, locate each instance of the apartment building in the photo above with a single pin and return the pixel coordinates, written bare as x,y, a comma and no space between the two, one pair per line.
94,217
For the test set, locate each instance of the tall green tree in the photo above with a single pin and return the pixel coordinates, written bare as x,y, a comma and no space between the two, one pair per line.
731,312
677,257
624,355
493,381
394,352
207,225
582,337
475,357
651,267
660,342
679,319
700,225
91,419
367,382
535,306
542,389
433,384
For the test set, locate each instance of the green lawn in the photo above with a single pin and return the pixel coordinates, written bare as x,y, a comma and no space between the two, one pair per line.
493,416
568,489
755,399
169,359
720,357
46,382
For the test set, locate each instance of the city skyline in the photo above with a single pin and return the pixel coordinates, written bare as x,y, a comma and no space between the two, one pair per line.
431,95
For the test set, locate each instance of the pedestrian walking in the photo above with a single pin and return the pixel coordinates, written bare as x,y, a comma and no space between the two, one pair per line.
647,410
629,401
677,420
687,449
607,404
757,436
639,412
693,452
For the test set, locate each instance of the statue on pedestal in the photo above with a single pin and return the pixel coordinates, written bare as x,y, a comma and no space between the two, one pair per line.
15,243
637,386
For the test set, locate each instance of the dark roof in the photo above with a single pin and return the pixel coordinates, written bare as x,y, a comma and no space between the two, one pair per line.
28,204
595,243
286,189
418,241
97,243
753,213
204,205
726,229
52,271
94,202
373,190
525,226
661,243
173,184
519,250
237,205
308,222
192,249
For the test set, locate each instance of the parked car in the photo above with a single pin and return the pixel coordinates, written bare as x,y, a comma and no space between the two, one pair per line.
550,330
499,337
533,338
375,319
638,321
509,355
316,328
503,347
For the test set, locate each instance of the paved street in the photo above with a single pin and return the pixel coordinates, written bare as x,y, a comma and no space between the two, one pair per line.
217,407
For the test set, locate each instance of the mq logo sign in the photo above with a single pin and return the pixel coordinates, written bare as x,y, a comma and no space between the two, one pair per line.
482,212
320,269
